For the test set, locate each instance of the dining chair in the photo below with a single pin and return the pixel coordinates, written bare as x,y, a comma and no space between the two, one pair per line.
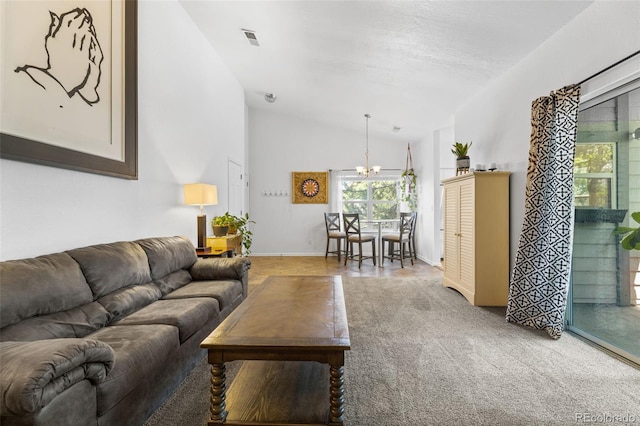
332,223
355,236
402,238
413,236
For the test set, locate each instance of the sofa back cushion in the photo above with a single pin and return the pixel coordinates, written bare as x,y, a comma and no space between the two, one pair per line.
110,267
72,323
168,254
121,303
40,286
173,281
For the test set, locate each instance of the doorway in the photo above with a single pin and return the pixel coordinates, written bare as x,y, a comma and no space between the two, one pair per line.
236,188
604,304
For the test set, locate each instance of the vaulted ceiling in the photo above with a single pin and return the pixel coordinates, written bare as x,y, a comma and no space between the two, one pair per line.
410,64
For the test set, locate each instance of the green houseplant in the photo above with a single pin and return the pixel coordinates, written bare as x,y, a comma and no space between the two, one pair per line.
631,238
235,225
461,151
220,224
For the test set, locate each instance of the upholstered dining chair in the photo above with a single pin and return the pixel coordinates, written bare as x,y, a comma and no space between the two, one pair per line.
355,236
402,238
332,223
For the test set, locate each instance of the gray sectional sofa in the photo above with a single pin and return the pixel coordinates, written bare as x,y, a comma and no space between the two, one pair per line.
101,335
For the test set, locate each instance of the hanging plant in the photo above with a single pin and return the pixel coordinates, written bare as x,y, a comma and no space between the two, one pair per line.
409,183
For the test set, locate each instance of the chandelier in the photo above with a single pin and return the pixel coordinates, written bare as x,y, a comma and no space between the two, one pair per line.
365,171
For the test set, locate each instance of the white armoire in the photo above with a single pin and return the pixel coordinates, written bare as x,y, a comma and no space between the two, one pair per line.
476,236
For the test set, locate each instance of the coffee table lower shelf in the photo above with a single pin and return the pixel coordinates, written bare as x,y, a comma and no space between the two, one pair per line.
279,392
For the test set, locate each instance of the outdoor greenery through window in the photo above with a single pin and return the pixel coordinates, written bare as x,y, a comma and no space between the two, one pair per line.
374,199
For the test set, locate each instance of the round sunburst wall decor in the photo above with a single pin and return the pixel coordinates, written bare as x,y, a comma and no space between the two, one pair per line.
309,187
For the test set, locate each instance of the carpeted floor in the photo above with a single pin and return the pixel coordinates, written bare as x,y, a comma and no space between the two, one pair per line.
422,355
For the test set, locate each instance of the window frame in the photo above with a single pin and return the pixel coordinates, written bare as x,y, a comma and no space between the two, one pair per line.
369,201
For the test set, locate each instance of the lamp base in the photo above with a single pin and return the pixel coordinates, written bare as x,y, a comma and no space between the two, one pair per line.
202,232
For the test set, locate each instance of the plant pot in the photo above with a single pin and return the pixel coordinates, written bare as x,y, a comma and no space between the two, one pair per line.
463,163
219,230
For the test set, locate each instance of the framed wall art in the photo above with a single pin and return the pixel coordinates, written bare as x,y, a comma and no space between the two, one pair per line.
310,187
68,70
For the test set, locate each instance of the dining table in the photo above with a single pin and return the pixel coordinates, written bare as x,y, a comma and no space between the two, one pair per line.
380,225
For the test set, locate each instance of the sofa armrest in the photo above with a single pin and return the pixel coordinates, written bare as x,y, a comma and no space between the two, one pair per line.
34,373
234,268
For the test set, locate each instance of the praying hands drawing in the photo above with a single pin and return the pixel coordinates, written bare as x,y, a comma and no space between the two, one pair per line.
74,56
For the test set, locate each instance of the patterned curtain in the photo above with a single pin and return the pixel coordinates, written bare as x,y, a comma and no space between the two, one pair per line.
540,279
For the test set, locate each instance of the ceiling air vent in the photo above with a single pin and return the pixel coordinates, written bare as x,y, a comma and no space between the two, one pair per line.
251,36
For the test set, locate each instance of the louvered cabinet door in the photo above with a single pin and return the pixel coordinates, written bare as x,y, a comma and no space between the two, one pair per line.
451,230
466,236
476,236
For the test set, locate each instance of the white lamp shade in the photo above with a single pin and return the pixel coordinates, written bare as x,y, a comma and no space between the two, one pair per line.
200,194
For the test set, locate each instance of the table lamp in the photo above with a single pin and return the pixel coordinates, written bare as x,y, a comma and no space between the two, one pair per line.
201,194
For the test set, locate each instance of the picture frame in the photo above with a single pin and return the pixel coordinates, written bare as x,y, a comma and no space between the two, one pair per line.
122,103
310,187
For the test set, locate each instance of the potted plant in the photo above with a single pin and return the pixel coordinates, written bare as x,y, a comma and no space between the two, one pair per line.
220,224
409,183
461,151
235,225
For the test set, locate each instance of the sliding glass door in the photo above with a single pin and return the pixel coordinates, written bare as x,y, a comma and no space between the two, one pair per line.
605,291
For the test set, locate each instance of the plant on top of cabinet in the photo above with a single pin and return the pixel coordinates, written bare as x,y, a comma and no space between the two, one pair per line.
461,151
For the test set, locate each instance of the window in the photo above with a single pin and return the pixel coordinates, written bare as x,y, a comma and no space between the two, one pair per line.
375,198
594,171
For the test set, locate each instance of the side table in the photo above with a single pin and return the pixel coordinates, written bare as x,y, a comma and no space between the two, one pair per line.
214,253
227,243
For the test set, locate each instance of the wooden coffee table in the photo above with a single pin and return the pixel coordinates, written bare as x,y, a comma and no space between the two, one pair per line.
298,319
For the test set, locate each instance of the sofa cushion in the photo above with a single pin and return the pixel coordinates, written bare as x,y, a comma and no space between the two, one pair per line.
76,322
141,351
168,254
173,281
109,267
188,315
40,286
225,292
127,300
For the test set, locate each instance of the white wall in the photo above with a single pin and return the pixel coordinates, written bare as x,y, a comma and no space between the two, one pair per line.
191,120
497,120
279,145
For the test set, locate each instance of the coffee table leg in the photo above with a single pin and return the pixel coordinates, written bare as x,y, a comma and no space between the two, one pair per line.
218,394
336,400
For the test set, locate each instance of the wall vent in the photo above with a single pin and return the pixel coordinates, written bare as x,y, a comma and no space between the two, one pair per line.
251,36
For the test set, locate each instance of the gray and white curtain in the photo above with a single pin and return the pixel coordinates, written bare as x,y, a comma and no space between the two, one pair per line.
540,279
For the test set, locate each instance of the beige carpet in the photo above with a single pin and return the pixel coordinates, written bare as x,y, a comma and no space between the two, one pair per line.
421,355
